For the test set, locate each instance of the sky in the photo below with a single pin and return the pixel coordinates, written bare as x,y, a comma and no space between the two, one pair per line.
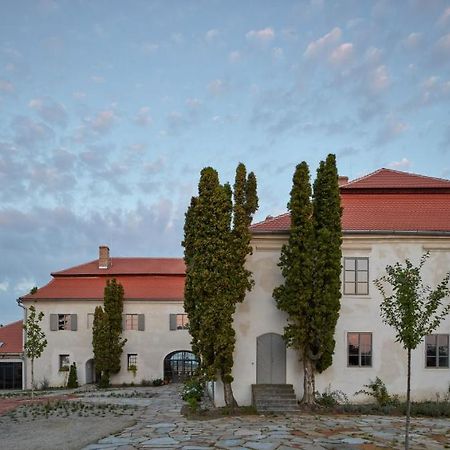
110,109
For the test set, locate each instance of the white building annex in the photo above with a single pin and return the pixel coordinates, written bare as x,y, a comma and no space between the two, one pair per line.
154,323
387,216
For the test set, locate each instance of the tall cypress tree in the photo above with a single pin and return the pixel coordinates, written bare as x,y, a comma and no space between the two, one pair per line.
216,278
311,264
107,339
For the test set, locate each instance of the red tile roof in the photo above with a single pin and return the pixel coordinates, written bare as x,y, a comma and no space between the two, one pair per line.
387,201
128,266
12,337
142,279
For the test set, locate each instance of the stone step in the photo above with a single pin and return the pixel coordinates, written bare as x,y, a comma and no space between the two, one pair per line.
275,398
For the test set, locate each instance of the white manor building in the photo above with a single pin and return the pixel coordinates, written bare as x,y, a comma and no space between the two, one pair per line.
387,216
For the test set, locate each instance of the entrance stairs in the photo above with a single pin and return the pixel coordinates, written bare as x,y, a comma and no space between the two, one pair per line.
274,398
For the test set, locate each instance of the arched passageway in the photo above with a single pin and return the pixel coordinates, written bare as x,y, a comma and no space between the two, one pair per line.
179,366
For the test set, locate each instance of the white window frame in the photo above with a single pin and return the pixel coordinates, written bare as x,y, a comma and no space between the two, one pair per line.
356,271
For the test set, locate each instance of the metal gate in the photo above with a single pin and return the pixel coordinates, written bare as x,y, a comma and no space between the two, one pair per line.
179,366
270,359
10,375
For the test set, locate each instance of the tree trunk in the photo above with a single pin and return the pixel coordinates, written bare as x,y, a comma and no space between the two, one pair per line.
228,396
32,377
408,401
308,382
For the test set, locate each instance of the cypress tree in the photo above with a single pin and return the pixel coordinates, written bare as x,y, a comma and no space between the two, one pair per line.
216,278
311,265
72,381
107,339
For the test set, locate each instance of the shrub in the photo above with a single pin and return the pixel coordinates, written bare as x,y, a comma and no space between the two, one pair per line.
331,398
378,390
45,384
192,393
158,382
145,382
72,382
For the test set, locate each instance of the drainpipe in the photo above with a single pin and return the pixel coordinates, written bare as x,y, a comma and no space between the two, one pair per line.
24,369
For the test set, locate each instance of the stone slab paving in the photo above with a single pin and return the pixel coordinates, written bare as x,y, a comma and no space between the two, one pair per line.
161,426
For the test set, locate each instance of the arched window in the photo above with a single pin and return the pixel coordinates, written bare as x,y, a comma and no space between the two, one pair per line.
179,366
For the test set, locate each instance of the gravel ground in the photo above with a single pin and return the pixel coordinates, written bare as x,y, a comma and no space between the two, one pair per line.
58,433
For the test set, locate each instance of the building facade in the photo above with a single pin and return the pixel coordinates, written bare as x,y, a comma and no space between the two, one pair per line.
154,323
387,216
11,356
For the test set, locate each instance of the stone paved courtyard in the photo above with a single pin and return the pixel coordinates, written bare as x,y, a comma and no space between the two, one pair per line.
162,426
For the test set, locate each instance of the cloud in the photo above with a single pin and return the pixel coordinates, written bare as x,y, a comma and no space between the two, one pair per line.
217,87
194,104
149,48
6,87
379,79
445,17
154,167
412,41
391,130
143,117
212,35
4,286
234,56
315,48
342,54
442,48
103,121
24,285
50,111
177,38
262,36
97,79
277,53
404,163
28,132
79,95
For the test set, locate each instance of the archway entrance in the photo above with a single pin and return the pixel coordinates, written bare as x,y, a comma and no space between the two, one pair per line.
270,359
90,371
179,366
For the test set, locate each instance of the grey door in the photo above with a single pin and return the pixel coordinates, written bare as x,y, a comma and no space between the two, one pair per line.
270,359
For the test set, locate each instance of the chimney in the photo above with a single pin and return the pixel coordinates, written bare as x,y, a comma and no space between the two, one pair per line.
104,261
342,181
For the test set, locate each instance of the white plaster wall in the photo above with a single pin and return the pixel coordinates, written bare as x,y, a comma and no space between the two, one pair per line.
151,345
258,315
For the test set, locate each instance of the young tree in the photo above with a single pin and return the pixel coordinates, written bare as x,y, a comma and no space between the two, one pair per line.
310,264
413,309
107,339
35,341
72,382
216,279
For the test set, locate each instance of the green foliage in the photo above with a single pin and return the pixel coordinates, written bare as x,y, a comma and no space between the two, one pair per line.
72,381
107,339
377,389
311,264
192,388
413,309
33,290
216,243
35,341
158,382
330,398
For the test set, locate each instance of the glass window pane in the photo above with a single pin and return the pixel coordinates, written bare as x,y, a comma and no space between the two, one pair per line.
353,360
363,288
431,350
363,276
349,264
350,288
350,276
363,264
431,361
443,340
366,360
443,361
431,339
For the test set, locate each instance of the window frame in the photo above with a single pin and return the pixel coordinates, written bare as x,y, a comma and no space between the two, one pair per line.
132,360
184,321
359,365
356,270
64,367
67,325
134,322
437,357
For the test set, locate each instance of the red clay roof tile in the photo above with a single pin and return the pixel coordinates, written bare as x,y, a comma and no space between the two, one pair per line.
11,336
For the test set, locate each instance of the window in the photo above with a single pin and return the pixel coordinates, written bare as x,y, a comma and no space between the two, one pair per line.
436,348
356,276
131,321
178,322
64,322
359,349
90,320
64,363
132,361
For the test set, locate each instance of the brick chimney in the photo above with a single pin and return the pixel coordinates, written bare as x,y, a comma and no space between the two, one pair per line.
342,181
104,261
